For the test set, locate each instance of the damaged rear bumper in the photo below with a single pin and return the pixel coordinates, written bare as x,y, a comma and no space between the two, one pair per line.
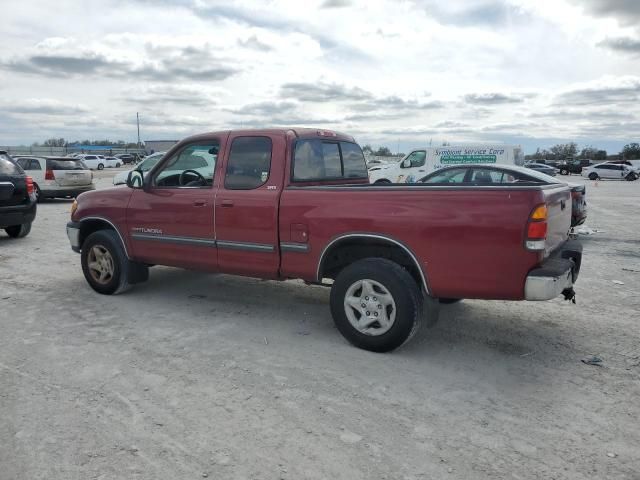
556,275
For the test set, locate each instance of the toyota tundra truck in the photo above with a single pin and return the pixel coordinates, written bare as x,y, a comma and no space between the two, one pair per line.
297,204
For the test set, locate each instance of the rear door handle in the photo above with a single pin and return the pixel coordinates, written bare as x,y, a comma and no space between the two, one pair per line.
227,203
199,203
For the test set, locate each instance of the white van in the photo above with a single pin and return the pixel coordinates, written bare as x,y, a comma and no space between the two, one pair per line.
423,161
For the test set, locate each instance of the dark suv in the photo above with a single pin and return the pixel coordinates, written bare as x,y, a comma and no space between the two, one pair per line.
17,198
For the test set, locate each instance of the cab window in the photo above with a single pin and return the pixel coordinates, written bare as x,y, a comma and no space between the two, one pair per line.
249,163
316,159
191,167
415,159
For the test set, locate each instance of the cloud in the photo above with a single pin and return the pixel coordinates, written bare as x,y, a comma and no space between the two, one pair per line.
267,108
323,92
488,99
627,12
336,4
42,106
253,43
187,63
625,90
622,45
190,96
481,14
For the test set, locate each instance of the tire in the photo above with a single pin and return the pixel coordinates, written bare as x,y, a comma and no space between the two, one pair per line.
377,276
112,260
383,181
593,176
38,193
100,166
18,231
631,177
564,172
449,301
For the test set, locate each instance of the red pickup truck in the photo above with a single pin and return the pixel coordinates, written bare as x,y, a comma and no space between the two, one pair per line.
296,204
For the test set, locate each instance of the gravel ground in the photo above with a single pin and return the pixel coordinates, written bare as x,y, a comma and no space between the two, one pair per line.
192,375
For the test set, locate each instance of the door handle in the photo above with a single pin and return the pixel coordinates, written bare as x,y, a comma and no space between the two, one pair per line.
227,203
199,203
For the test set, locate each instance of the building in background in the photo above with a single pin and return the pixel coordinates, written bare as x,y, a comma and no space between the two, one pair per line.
152,146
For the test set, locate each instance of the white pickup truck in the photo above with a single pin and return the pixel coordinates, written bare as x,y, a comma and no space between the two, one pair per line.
423,161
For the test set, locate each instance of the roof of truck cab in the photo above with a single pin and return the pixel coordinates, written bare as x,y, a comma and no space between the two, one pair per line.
297,132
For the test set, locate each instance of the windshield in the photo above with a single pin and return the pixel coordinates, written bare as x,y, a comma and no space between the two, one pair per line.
150,162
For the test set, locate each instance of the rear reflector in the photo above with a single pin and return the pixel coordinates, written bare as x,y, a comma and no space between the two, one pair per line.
49,175
29,186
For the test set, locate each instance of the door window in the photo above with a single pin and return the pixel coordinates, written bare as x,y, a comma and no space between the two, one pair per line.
417,159
249,163
191,167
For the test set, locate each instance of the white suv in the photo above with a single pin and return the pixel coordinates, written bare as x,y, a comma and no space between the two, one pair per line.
611,170
57,176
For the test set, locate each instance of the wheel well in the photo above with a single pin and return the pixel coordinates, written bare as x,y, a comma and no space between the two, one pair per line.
349,250
87,227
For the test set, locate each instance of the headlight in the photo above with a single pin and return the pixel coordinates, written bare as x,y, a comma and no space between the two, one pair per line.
74,207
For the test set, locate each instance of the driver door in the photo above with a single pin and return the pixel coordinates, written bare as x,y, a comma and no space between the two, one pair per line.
171,221
413,167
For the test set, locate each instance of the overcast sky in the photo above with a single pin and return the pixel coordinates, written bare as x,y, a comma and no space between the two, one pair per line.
530,72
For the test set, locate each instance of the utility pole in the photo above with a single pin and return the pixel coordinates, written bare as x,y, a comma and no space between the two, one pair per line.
138,123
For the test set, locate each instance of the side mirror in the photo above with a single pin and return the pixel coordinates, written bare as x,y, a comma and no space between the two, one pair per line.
406,163
135,179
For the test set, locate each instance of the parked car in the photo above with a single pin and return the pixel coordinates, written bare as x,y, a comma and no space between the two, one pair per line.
567,168
126,158
57,177
144,166
542,168
284,203
17,198
505,176
610,170
113,162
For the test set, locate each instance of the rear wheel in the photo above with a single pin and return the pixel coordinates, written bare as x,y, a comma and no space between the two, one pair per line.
376,304
383,181
564,172
38,193
100,166
18,231
593,176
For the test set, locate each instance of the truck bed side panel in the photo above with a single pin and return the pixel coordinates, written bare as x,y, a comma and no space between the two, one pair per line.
470,241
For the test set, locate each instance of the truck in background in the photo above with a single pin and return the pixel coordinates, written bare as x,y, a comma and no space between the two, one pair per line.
422,161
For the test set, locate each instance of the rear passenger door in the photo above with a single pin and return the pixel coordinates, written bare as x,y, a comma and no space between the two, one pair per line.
246,216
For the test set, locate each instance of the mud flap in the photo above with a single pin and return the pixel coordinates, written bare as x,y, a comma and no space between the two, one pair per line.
430,311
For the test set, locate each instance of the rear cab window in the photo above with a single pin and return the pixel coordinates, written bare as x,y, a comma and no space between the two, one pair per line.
317,160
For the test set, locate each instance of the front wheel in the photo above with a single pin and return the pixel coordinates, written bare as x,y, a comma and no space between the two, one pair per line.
564,172
383,181
593,176
376,304
18,231
100,166
631,177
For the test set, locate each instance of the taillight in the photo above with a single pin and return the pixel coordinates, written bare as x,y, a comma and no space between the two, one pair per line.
537,228
30,189
49,175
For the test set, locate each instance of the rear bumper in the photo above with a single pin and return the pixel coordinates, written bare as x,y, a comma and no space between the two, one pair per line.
73,233
556,275
65,191
17,214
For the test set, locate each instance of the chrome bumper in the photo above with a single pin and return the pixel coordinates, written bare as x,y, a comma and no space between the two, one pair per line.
546,288
73,233
556,275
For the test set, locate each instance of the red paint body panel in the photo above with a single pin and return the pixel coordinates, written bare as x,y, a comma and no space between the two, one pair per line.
468,241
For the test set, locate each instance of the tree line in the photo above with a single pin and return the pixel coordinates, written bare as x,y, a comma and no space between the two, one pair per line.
61,142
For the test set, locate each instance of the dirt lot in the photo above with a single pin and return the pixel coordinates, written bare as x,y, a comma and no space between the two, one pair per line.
193,375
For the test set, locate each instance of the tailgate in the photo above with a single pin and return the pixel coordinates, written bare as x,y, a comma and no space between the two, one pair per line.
558,200
72,177
13,190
